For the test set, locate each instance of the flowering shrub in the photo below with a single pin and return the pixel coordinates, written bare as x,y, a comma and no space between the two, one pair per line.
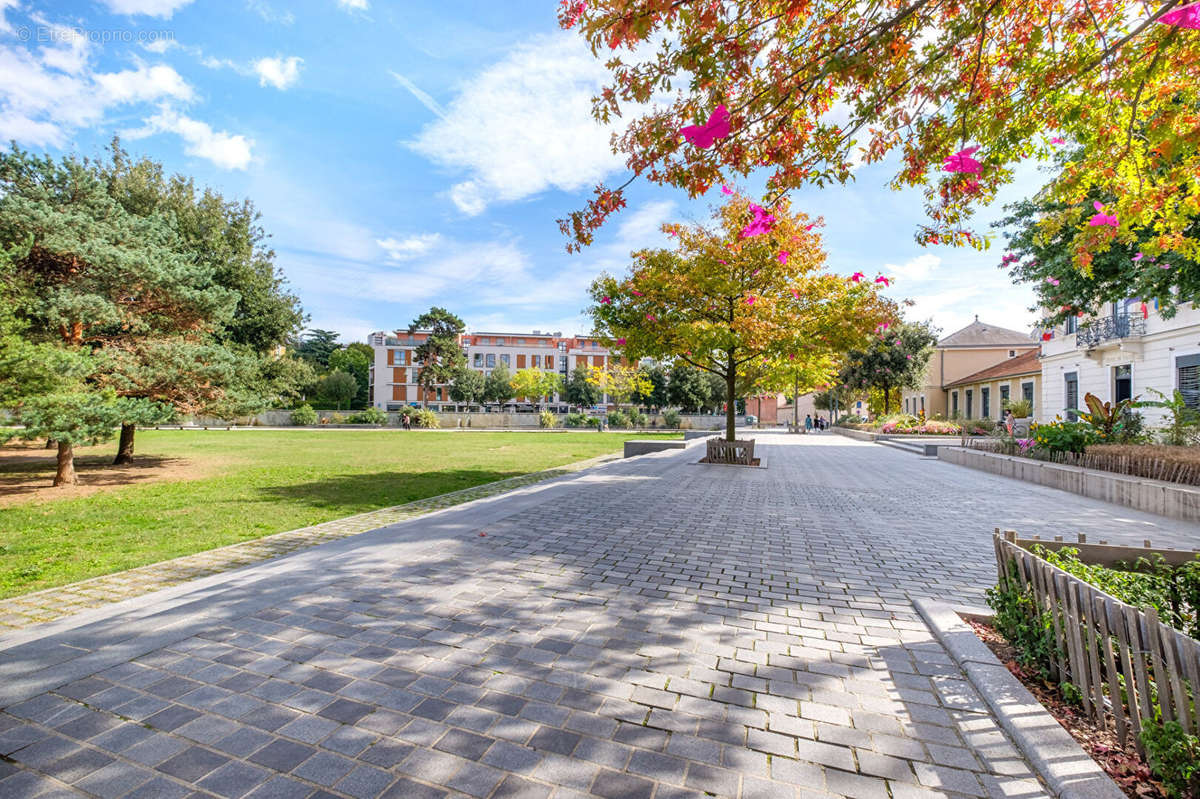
930,428
1060,436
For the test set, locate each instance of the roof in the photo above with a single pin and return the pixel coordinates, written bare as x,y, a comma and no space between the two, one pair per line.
981,334
1024,364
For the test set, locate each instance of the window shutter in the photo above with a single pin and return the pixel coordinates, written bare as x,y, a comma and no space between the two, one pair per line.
1188,379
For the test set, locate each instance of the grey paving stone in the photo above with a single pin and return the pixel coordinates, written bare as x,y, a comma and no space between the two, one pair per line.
234,780
365,782
464,744
324,768
115,779
192,763
615,785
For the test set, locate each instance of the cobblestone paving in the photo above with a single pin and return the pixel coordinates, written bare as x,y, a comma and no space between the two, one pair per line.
54,603
652,629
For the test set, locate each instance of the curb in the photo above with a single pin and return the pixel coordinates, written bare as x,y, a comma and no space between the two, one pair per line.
1068,771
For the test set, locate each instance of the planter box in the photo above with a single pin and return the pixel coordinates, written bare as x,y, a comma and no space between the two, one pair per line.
1152,496
735,452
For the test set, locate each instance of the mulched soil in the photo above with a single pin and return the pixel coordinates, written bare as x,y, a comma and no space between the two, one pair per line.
1124,765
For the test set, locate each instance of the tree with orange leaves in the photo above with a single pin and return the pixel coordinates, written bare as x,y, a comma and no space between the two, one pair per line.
734,297
962,90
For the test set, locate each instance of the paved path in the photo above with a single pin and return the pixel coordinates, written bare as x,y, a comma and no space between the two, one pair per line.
650,628
26,610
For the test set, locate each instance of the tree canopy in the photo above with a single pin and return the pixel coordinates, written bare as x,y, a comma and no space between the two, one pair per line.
737,294
896,358
962,92
440,355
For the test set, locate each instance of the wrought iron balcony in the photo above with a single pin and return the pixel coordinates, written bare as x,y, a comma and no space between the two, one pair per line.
1109,328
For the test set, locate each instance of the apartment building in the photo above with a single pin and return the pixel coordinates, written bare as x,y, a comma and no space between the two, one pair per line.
983,395
1120,355
394,374
963,353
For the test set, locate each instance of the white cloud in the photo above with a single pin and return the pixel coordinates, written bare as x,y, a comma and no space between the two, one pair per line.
523,126
47,93
268,12
918,268
151,8
226,150
354,5
160,46
409,247
144,84
278,72
422,96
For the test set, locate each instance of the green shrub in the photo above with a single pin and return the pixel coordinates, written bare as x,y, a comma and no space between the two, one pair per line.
547,420
618,418
577,420
671,418
636,418
1060,436
426,419
304,416
1021,620
1021,408
336,418
369,416
1174,757
596,422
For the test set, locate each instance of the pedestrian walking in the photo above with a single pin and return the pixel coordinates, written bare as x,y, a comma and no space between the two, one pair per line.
808,423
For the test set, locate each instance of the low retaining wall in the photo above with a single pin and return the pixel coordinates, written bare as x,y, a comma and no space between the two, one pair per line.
1151,496
861,435
637,447
507,421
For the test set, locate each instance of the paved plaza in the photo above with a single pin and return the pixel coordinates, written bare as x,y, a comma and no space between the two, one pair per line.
650,628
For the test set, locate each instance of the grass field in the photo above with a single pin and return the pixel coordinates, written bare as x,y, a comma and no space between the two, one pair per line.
195,490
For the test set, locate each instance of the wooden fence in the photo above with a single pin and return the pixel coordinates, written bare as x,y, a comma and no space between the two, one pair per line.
1127,665
1149,466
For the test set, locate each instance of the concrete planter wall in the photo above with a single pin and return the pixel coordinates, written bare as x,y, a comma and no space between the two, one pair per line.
1152,496
861,435
503,421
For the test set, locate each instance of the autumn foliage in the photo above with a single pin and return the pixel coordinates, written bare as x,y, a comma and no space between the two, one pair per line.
733,304
813,85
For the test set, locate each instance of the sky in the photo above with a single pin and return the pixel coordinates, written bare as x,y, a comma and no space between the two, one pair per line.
407,154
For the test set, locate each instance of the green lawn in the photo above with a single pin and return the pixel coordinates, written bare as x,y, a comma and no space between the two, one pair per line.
252,483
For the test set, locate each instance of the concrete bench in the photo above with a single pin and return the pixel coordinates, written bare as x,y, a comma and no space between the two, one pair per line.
646,446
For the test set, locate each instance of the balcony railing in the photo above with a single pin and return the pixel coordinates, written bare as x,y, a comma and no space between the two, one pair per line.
1098,331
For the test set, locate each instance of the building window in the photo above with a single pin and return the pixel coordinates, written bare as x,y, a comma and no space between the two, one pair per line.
954,404
1187,379
985,403
1012,353
1122,383
1027,394
1071,394
1004,390
520,342
505,359
1071,325
416,374
479,359
491,360
922,403
970,403
562,363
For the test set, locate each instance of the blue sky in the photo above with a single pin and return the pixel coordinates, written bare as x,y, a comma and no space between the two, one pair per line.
411,154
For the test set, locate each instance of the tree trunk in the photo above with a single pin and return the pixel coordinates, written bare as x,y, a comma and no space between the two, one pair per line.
796,403
65,476
887,396
50,443
730,402
125,446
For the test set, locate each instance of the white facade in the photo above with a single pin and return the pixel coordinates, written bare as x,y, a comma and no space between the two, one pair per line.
1122,355
394,373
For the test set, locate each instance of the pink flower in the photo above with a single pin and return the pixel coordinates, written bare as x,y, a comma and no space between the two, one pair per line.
755,272
1138,257
637,293
726,190
1186,17
761,223
791,356
796,293
1053,281
1101,218
750,300
620,341
606,301
704,136
1058,140
810,227
650,317
883,280
962,162
783,256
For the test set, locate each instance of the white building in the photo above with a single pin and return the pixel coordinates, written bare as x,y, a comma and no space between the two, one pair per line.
1122,355
394,373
